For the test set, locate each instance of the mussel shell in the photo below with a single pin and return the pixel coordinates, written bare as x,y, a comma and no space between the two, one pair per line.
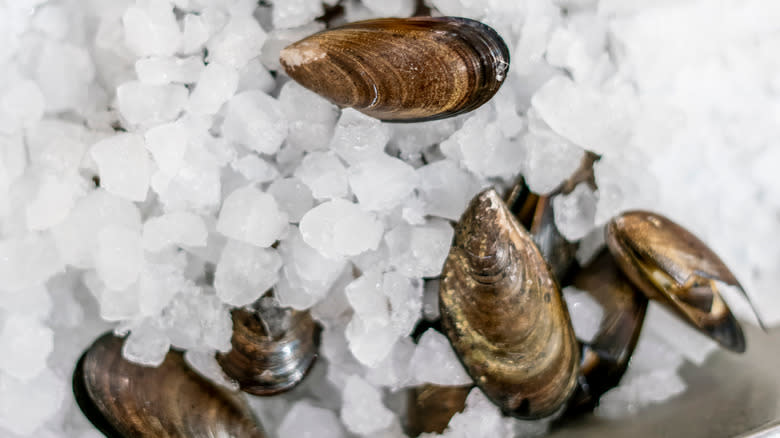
402,69
273,349
430,407
606,357
502,310
123,399
668,263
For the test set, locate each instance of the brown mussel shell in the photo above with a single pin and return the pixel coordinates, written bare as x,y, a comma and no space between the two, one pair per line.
669,264
123,399
606,357
273,348
430,407
402,69
502,310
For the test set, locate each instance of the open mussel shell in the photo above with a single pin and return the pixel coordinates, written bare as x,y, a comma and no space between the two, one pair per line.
402,69
123,399
273,348
502,310
605,358
430,407
668,263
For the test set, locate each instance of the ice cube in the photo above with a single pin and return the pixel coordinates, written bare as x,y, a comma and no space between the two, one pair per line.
76,237
182,228
358,136
53,20
239,41
550,159
294,197
420,251
252,216
168,143
393,371
367,299
144,104
305,420
324,174
199,320
205,364
480,419
55,199
339,228
370,341
255,169
294,13
680,336
402,8
162,277
255,120
147,345
195,33
254,76
405,296
28,260
362,410
434,348
21,105
119,256
446,189
586,313
638,391
124,165
217,83
311,118
575,212
34,302
162,70
56,144
26,343
245,272
151,30
63,73
382,182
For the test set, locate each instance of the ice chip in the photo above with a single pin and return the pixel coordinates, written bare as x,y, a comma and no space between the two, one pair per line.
586,313
26,406
151,30
294,13
434,348
144,104
257,170
420,251
358,136
324,174
239,41
119,256
182,228
311,118
362,410
28,260
294,197
382,182
217,84
255,120
26,343
339,228
146,345
575,212
305,420
124,165
245,272
445,189
252,216
161,70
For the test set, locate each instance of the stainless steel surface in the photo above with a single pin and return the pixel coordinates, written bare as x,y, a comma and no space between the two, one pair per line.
731,395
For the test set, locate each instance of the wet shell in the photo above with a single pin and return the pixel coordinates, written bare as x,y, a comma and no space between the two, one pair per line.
404,70
273,348
123,399
605,358
502,310
668,263
430,407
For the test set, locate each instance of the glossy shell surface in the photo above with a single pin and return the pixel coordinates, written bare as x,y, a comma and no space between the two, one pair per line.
502,310
273,348
668,263
606,357
124,400
405,70
430,407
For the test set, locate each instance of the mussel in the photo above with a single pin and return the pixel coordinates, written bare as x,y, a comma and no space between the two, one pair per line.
606,357
403,70
124,400
273,347
430,407
669,264
502,310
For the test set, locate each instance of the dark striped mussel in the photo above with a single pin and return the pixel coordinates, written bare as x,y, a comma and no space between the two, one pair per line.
431,407
273,347
503,312
669,264
123,399
402,69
